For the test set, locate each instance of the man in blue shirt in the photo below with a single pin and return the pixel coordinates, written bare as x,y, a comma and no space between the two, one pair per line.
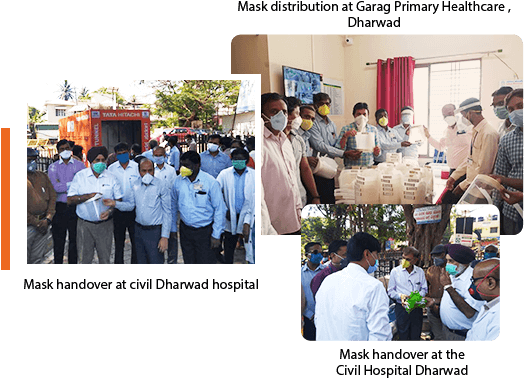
213,161
174,157
309,270
151,197
197,196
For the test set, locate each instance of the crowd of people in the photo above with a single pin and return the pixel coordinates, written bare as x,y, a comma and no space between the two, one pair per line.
341,299
205,202
295,135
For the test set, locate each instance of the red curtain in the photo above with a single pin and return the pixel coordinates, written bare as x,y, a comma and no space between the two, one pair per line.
395,86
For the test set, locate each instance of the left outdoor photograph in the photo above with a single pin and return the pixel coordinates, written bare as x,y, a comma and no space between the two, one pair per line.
149,172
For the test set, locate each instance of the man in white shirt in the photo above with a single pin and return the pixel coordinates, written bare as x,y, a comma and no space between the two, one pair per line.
485,286
458,310
405,279
351,304
456,139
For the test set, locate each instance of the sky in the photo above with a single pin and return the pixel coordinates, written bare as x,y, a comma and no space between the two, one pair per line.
43,89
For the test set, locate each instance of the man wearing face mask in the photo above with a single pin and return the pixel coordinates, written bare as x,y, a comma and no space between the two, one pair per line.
485,285
41,199
347,139
405,279
456,140
61,175
491,251
94,226
458,310
213,161
386,136
482,150
307,114
151,197
305,178
162,170
508,169
337,253
278,169
403,133
126,171
435,290
197,196
351,304
501,112
309,270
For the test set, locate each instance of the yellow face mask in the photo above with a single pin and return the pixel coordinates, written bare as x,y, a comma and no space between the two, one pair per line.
306,124
324,110
405,263
383,121
185,172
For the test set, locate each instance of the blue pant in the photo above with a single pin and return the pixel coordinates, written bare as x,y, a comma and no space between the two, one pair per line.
147,241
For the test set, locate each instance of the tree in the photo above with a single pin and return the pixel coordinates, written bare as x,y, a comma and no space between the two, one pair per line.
190,100
34,116
424,237
119,99
84,94
66,91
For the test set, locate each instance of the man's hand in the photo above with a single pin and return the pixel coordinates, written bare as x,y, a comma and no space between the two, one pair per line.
42,226
405,143
352,154
450,183
104,215
312,161
511,197
427,133
430,301
215,243
246,232
163,244
377,151
109,202
499,178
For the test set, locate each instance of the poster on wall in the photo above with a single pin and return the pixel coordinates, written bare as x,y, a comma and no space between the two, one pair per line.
334,88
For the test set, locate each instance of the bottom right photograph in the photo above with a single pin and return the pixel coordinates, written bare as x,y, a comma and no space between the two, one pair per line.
400,272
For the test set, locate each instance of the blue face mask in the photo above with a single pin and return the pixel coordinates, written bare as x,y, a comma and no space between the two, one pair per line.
31,166
123,157
372,268
159,160
315,258
439,262
516,118
99,167
501,112
451,269
489,255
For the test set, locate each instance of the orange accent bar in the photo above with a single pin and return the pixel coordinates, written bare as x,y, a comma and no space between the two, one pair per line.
5,233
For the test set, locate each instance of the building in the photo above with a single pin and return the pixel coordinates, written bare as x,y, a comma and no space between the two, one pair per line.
55,110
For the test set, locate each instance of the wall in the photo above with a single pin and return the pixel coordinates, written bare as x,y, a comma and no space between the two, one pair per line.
328,55
249,55
371,48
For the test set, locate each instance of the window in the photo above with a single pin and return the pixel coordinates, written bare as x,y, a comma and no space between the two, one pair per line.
60,112
493,230
437,84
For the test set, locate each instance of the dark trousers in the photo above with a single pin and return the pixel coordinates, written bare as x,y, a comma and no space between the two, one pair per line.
309,329
230,242
64,221
147,242
196,244
173,250
123,220
449,197
325,188
409,325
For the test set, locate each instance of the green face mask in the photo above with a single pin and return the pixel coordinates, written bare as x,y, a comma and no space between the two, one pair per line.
239,164
99,167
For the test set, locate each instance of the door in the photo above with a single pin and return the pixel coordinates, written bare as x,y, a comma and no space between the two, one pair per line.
115,131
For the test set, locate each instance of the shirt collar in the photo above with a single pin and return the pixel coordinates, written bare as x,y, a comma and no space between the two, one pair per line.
491,304
61,161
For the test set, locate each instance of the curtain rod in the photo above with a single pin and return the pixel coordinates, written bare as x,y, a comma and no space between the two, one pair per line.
447,56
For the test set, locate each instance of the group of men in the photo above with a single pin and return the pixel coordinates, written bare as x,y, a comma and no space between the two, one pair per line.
294,136
343,301
160,198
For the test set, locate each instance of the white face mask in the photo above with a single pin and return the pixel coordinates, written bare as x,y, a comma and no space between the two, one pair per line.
279,121
450,120
147,179
66,154
407,118
361,121
213,147
296,123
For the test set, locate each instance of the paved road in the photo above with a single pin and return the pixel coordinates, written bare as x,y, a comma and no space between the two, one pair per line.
239,257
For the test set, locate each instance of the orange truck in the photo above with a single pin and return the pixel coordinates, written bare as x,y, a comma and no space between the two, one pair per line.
96,127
